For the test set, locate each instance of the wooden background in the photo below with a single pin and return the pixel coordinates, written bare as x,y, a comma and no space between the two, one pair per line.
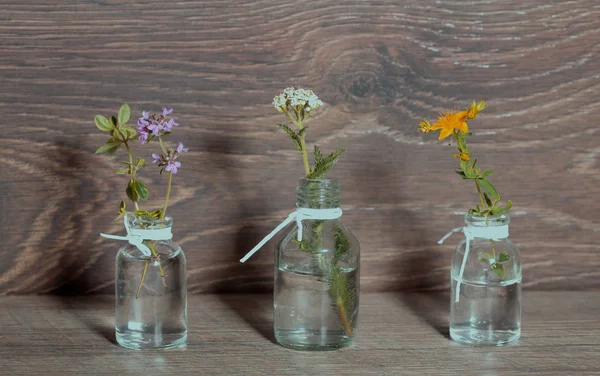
379,66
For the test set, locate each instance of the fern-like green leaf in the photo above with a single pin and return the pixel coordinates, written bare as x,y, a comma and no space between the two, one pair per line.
302,132
293,135
342,244
324,165
318,155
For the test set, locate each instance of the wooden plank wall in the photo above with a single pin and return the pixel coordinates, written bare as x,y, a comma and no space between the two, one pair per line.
379,66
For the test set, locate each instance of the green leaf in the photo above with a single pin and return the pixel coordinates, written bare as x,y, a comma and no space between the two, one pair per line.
131,192
302,132
124,171
110,147
318,155
499,270
460,143
122,210
461,173
114,122
124,114
486,173
115,134
486,185
502,209
503,257
153,214
102,123
141,190
342,244
324,165
293,135
487,199
128,132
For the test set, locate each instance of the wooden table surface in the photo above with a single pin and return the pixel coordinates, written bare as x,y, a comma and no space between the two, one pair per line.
400,334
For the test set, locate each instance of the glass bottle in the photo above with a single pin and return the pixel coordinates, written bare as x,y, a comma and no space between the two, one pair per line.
151,295
485,306
317,280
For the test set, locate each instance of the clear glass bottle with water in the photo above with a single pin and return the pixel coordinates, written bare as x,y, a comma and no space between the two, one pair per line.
317,280
151,295
486,295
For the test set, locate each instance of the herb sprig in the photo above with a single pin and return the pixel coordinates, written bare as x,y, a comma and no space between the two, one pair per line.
150,126
454,124
298,105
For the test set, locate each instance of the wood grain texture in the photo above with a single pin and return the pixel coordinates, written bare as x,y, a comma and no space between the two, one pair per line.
399,334
380,66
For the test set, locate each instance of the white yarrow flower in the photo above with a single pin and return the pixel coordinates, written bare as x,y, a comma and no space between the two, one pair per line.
288,92
279,101
314,101
299,99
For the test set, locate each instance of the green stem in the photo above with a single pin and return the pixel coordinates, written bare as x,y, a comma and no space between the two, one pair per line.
162,146
131,167
164,211
298,123
304,153
480,195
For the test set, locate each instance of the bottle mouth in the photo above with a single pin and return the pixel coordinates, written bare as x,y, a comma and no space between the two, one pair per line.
148,223
489,221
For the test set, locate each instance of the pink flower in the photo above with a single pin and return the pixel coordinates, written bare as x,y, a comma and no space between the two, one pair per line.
168,162
151,125
172,166
180,148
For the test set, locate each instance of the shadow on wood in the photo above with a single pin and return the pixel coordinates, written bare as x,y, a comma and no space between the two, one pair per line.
433,309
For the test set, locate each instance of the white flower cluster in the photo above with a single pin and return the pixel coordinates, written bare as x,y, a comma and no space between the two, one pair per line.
298,99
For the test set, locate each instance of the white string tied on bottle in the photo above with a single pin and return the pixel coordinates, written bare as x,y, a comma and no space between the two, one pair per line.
299,215
472,232
136,236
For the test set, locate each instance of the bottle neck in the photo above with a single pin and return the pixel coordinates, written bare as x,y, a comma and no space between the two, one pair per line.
318,194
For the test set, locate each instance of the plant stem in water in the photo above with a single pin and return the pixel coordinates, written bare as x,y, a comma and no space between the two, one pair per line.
347,327
137,295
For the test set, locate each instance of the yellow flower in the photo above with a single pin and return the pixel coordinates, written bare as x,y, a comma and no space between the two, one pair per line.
475,109
450,121
462,156
425,126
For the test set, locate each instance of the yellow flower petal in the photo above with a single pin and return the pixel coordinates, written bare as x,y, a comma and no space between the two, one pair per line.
445,132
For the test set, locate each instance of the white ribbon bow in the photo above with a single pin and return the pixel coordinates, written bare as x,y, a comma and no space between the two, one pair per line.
137,236
472,232
299,215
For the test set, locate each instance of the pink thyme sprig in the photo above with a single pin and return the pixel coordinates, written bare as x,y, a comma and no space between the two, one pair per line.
151,125
168,162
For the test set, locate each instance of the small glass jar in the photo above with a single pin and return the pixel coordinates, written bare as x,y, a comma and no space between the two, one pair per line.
151,295
317,279
486,287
